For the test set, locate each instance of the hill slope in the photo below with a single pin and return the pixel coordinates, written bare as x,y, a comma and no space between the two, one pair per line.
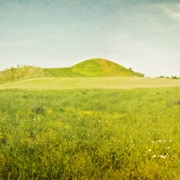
92,68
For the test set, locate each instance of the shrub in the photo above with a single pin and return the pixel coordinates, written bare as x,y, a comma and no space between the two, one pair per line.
18,73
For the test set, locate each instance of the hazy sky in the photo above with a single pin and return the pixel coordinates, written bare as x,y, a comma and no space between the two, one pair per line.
142,34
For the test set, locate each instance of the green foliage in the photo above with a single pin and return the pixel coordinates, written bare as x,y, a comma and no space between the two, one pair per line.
18,73
92,68
90,134
161,76
172,77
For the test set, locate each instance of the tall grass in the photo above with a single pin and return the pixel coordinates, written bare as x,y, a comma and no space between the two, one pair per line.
90,134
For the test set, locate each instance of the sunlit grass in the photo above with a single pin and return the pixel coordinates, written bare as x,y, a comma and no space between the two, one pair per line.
90,83
90,134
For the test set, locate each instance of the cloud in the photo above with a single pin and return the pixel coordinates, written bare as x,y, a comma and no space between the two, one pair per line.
172,10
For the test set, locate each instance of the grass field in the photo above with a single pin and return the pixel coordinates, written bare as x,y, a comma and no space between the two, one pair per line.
79,131
43,83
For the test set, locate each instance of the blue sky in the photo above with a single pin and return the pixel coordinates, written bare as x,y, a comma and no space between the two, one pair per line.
141,34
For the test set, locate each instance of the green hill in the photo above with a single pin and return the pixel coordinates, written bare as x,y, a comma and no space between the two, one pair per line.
89,68
92,68
60,72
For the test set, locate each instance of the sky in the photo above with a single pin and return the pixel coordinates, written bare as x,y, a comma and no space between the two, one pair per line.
141,34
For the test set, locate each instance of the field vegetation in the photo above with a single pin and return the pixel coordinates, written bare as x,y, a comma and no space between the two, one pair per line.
90,134
94,120
90,83
19,73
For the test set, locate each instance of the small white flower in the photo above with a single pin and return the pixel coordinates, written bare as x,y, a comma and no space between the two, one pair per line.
149,150
163,157
159,141
168,148
154,156
170,141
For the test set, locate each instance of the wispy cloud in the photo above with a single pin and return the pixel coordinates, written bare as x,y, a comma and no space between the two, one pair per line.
172,10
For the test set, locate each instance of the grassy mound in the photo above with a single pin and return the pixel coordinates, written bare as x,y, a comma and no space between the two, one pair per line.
60,72
102,67
92,68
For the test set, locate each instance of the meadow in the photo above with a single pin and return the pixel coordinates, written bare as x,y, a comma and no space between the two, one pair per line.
59,83
89,133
